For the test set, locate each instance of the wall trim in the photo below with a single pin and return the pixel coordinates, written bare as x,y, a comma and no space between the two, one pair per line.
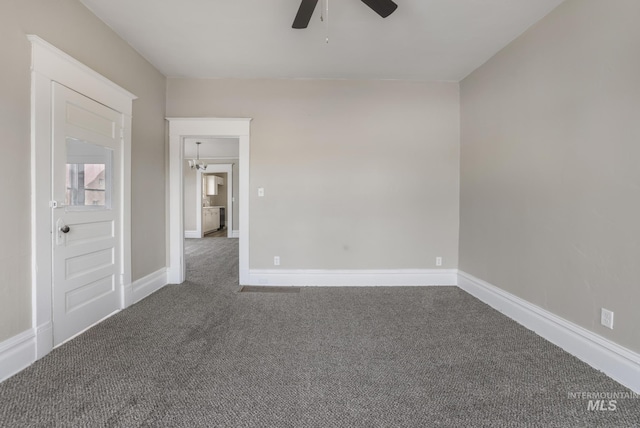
202,127
63,68
235,234
17,353
22,350
617,362
44,339
148,285
49,64
189,234
353,278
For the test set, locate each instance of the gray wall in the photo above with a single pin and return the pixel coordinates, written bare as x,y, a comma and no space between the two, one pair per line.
549,166
72,28
357,174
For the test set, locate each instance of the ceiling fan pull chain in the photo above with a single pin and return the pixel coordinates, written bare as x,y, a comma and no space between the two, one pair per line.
326,3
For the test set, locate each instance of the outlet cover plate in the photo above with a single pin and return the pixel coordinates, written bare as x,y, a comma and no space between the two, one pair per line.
606,318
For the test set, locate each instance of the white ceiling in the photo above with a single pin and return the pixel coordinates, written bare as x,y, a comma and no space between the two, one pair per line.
424,40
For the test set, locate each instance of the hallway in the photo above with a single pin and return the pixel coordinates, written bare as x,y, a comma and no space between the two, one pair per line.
212,260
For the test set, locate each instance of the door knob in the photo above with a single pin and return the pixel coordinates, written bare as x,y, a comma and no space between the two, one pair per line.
65,229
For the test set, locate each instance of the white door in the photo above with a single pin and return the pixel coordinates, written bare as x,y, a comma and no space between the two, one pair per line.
86,213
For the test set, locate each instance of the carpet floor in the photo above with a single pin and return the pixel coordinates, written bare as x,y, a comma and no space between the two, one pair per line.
204,354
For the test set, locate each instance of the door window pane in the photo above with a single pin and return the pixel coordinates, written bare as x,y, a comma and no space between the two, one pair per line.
88,175
86,184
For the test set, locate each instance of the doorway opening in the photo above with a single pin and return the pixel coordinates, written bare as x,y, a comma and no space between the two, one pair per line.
216,202
181,132
210,200
211,193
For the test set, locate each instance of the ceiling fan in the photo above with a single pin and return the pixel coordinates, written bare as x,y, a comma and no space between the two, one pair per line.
383,8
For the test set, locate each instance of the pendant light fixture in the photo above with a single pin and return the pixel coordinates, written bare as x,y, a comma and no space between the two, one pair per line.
197,163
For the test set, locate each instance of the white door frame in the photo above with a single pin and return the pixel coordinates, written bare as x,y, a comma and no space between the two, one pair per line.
49,64
215,168
179,129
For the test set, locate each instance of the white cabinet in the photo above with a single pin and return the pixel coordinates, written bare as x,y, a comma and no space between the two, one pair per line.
213,181
212,186
210,219
215,218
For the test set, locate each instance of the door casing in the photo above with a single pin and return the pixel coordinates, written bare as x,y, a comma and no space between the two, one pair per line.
204,127
50,64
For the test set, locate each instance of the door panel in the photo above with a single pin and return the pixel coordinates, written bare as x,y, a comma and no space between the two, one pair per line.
86,119
87,263
89,293
87,149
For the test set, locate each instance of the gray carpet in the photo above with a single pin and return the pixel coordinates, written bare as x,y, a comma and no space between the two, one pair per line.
204,354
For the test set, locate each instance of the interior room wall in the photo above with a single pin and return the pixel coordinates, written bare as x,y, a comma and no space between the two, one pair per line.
357,174
549,167
69,26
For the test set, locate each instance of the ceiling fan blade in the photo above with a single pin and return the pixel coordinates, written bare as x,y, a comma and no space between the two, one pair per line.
304,13
383,8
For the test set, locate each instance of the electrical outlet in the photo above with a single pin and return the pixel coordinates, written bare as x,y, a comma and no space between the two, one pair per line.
438,261
276,260
261,192
606,318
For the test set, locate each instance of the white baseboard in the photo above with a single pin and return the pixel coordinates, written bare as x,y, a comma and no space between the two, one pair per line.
352,278
127,298
192,234
22,350
44,339
17,353
148,285
617,362
235,234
